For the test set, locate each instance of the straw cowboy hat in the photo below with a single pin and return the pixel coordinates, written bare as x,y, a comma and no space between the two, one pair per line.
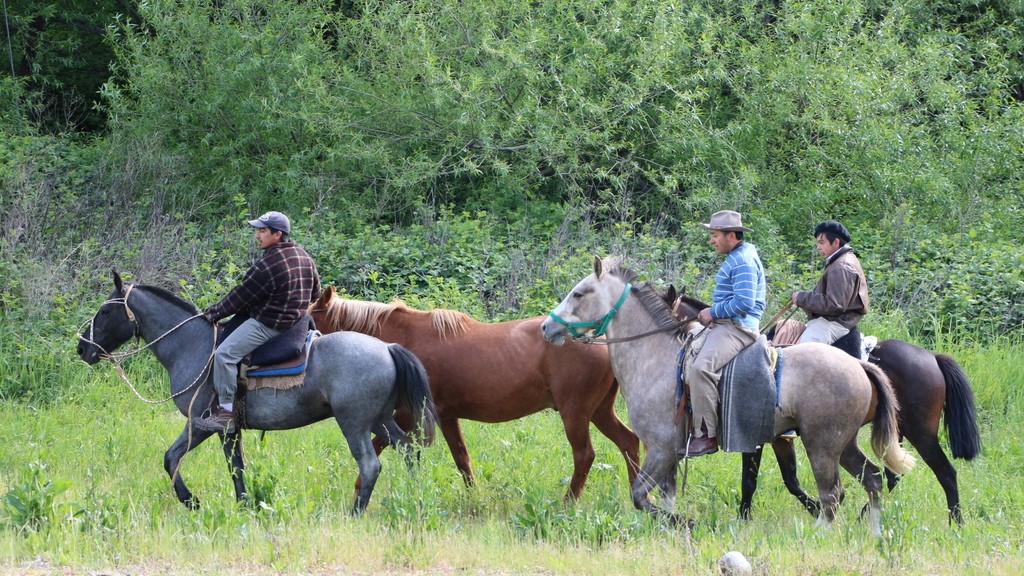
726,221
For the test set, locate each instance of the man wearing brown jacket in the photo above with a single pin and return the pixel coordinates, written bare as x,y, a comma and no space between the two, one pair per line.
840,299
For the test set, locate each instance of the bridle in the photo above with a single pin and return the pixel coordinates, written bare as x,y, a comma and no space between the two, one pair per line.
600,325
117,358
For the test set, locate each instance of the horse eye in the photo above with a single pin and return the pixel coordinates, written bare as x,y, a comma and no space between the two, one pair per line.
105,311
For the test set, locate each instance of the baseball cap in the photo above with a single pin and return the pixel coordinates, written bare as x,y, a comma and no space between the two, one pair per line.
274,220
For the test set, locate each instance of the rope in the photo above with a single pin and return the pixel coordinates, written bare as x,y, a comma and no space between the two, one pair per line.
605,341
775,318
118,358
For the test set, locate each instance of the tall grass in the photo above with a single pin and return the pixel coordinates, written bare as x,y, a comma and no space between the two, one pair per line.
115,509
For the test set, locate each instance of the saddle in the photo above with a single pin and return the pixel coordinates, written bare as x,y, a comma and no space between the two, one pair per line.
278,363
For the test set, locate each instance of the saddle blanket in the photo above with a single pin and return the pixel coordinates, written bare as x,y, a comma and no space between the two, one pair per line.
281,376
748,392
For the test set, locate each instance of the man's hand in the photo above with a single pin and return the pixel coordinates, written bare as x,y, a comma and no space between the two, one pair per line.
211,317
704,316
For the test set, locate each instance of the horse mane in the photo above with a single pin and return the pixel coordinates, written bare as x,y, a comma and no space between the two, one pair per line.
170,298
660,311
652,301
368,317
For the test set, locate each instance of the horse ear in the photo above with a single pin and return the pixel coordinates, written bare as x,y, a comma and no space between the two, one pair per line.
671,295
597,266
326,296
118,284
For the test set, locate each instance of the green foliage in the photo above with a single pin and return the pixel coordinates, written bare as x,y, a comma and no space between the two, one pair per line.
800,111
476,156
970,283
58,55
29,503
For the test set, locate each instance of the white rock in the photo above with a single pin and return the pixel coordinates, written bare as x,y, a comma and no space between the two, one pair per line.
734,564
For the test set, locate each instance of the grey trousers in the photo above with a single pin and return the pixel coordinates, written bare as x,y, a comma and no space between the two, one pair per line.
725,339
236,346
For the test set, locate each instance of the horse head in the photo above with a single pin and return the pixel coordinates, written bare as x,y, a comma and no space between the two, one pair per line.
113,325
321,310
684,307
592,304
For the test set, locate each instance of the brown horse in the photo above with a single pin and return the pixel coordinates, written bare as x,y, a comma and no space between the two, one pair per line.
495,372
926,384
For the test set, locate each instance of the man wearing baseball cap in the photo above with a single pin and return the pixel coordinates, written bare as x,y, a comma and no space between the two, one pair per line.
840,299
275,293
732,322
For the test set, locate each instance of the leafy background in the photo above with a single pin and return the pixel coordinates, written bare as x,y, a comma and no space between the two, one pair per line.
475,156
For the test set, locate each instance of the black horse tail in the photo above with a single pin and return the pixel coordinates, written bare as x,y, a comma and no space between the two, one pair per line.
961,417
885,437
413,387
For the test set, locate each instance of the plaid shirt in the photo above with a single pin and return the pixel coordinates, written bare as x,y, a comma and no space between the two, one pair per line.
276,290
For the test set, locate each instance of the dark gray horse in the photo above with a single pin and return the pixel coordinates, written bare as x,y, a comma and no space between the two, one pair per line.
357,379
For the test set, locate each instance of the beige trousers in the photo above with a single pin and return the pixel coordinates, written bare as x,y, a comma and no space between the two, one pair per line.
724,340
824,331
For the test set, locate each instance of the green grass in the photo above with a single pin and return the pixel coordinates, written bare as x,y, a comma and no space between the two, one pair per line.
110,508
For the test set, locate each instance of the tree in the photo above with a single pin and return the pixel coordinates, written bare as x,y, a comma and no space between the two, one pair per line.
58,54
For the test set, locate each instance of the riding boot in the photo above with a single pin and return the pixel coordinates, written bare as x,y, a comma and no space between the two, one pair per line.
217,419
699,446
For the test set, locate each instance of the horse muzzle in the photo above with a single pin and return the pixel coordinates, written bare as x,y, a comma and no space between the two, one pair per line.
89,353
553,332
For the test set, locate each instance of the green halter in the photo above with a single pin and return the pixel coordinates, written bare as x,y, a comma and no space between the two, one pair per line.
598,326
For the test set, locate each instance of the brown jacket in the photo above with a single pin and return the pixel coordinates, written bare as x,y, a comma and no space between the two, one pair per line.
842,293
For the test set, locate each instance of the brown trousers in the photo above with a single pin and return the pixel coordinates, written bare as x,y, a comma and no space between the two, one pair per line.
723,342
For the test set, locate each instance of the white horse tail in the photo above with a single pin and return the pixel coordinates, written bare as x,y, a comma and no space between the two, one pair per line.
885,439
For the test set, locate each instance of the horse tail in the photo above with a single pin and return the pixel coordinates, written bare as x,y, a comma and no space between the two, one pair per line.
413,387
885,438
961,417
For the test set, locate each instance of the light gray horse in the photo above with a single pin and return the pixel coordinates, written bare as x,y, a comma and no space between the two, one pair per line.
357,379
825,392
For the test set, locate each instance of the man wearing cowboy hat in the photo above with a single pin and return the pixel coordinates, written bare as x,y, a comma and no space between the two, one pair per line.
274,293
840,299
732,320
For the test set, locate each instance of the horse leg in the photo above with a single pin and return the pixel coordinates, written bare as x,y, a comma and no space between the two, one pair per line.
931,452
751,465
393,435
854,462
785,453
366,459
609,424
577,431
382,437
668,487
654,471
186,441
825,466
452,431
232,444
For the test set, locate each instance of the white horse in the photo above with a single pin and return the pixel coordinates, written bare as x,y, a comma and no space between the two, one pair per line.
824,392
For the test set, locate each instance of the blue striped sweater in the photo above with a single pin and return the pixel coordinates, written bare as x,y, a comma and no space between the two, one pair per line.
740,287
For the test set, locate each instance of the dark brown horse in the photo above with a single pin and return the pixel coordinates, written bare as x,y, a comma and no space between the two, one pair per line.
495,372
926,384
